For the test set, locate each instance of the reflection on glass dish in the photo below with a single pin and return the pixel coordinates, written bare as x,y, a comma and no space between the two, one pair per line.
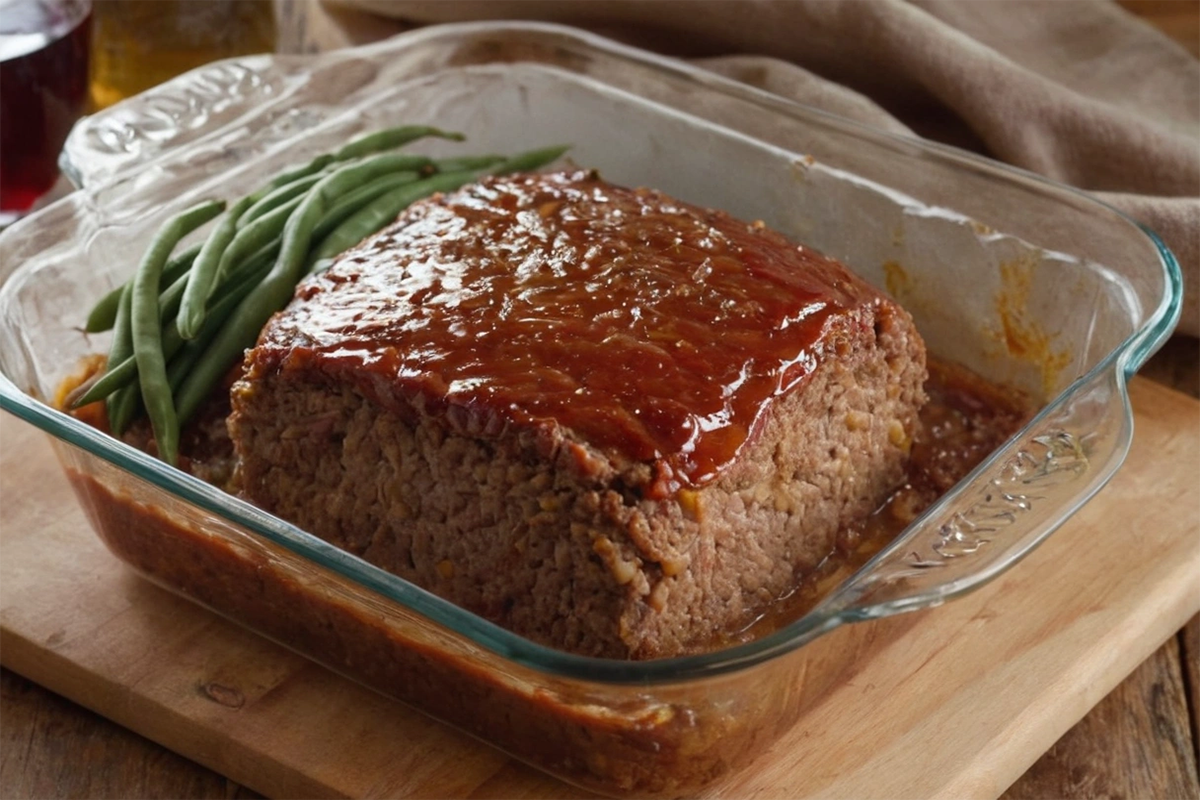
1026,283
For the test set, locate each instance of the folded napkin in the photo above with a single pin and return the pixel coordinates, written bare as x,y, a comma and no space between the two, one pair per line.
1081,92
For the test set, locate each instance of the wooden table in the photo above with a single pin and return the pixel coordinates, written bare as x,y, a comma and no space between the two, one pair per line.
1140,741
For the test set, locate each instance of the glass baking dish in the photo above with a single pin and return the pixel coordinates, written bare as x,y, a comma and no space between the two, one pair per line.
1027,282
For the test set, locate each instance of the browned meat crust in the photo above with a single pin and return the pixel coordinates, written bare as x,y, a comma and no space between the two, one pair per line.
610,421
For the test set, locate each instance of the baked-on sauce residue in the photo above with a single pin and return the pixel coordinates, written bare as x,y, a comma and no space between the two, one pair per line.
965,419
668,327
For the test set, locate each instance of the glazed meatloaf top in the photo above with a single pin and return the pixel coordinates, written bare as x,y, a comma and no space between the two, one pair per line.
655,332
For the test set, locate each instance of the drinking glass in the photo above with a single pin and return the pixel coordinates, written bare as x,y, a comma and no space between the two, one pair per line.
44,48
141,43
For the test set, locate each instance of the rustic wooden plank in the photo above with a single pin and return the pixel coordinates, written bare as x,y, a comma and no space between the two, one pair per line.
1136,743
1189,645
49,747
1125,747
1177,364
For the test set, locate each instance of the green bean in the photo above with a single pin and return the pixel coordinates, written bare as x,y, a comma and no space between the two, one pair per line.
367,144
122,407
256,235
372,218
298,234
103,314
382,211
267,227
181,363
180,264
386,208
121,347
353,201
272,200
466,162
126,372
248,267
262,257
351,176
273,292
533,159
235,288
389,139
296,173
202,276
113,379
170,298
146,323
117,375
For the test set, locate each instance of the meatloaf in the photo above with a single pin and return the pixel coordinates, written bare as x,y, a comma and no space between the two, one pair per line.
610,421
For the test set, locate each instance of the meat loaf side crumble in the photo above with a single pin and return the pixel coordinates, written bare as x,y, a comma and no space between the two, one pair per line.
610,421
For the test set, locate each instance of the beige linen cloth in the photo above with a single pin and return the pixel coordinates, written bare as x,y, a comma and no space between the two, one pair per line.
1078,90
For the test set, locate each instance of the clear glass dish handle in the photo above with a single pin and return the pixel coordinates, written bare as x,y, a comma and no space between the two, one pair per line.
258,100
1005,509
140,128
264,99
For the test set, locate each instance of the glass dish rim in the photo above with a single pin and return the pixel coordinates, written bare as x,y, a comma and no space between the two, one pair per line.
1122,362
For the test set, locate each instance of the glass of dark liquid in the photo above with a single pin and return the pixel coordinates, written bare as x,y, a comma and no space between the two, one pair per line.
44,47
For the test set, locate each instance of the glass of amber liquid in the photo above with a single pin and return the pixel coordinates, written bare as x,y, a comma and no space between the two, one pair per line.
141,43
43,90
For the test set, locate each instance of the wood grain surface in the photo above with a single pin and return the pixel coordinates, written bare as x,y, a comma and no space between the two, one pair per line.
54,748
1139,742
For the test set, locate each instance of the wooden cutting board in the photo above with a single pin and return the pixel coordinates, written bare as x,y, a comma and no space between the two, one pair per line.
959,706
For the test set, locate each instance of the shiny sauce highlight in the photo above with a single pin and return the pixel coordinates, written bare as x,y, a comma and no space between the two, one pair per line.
655,330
